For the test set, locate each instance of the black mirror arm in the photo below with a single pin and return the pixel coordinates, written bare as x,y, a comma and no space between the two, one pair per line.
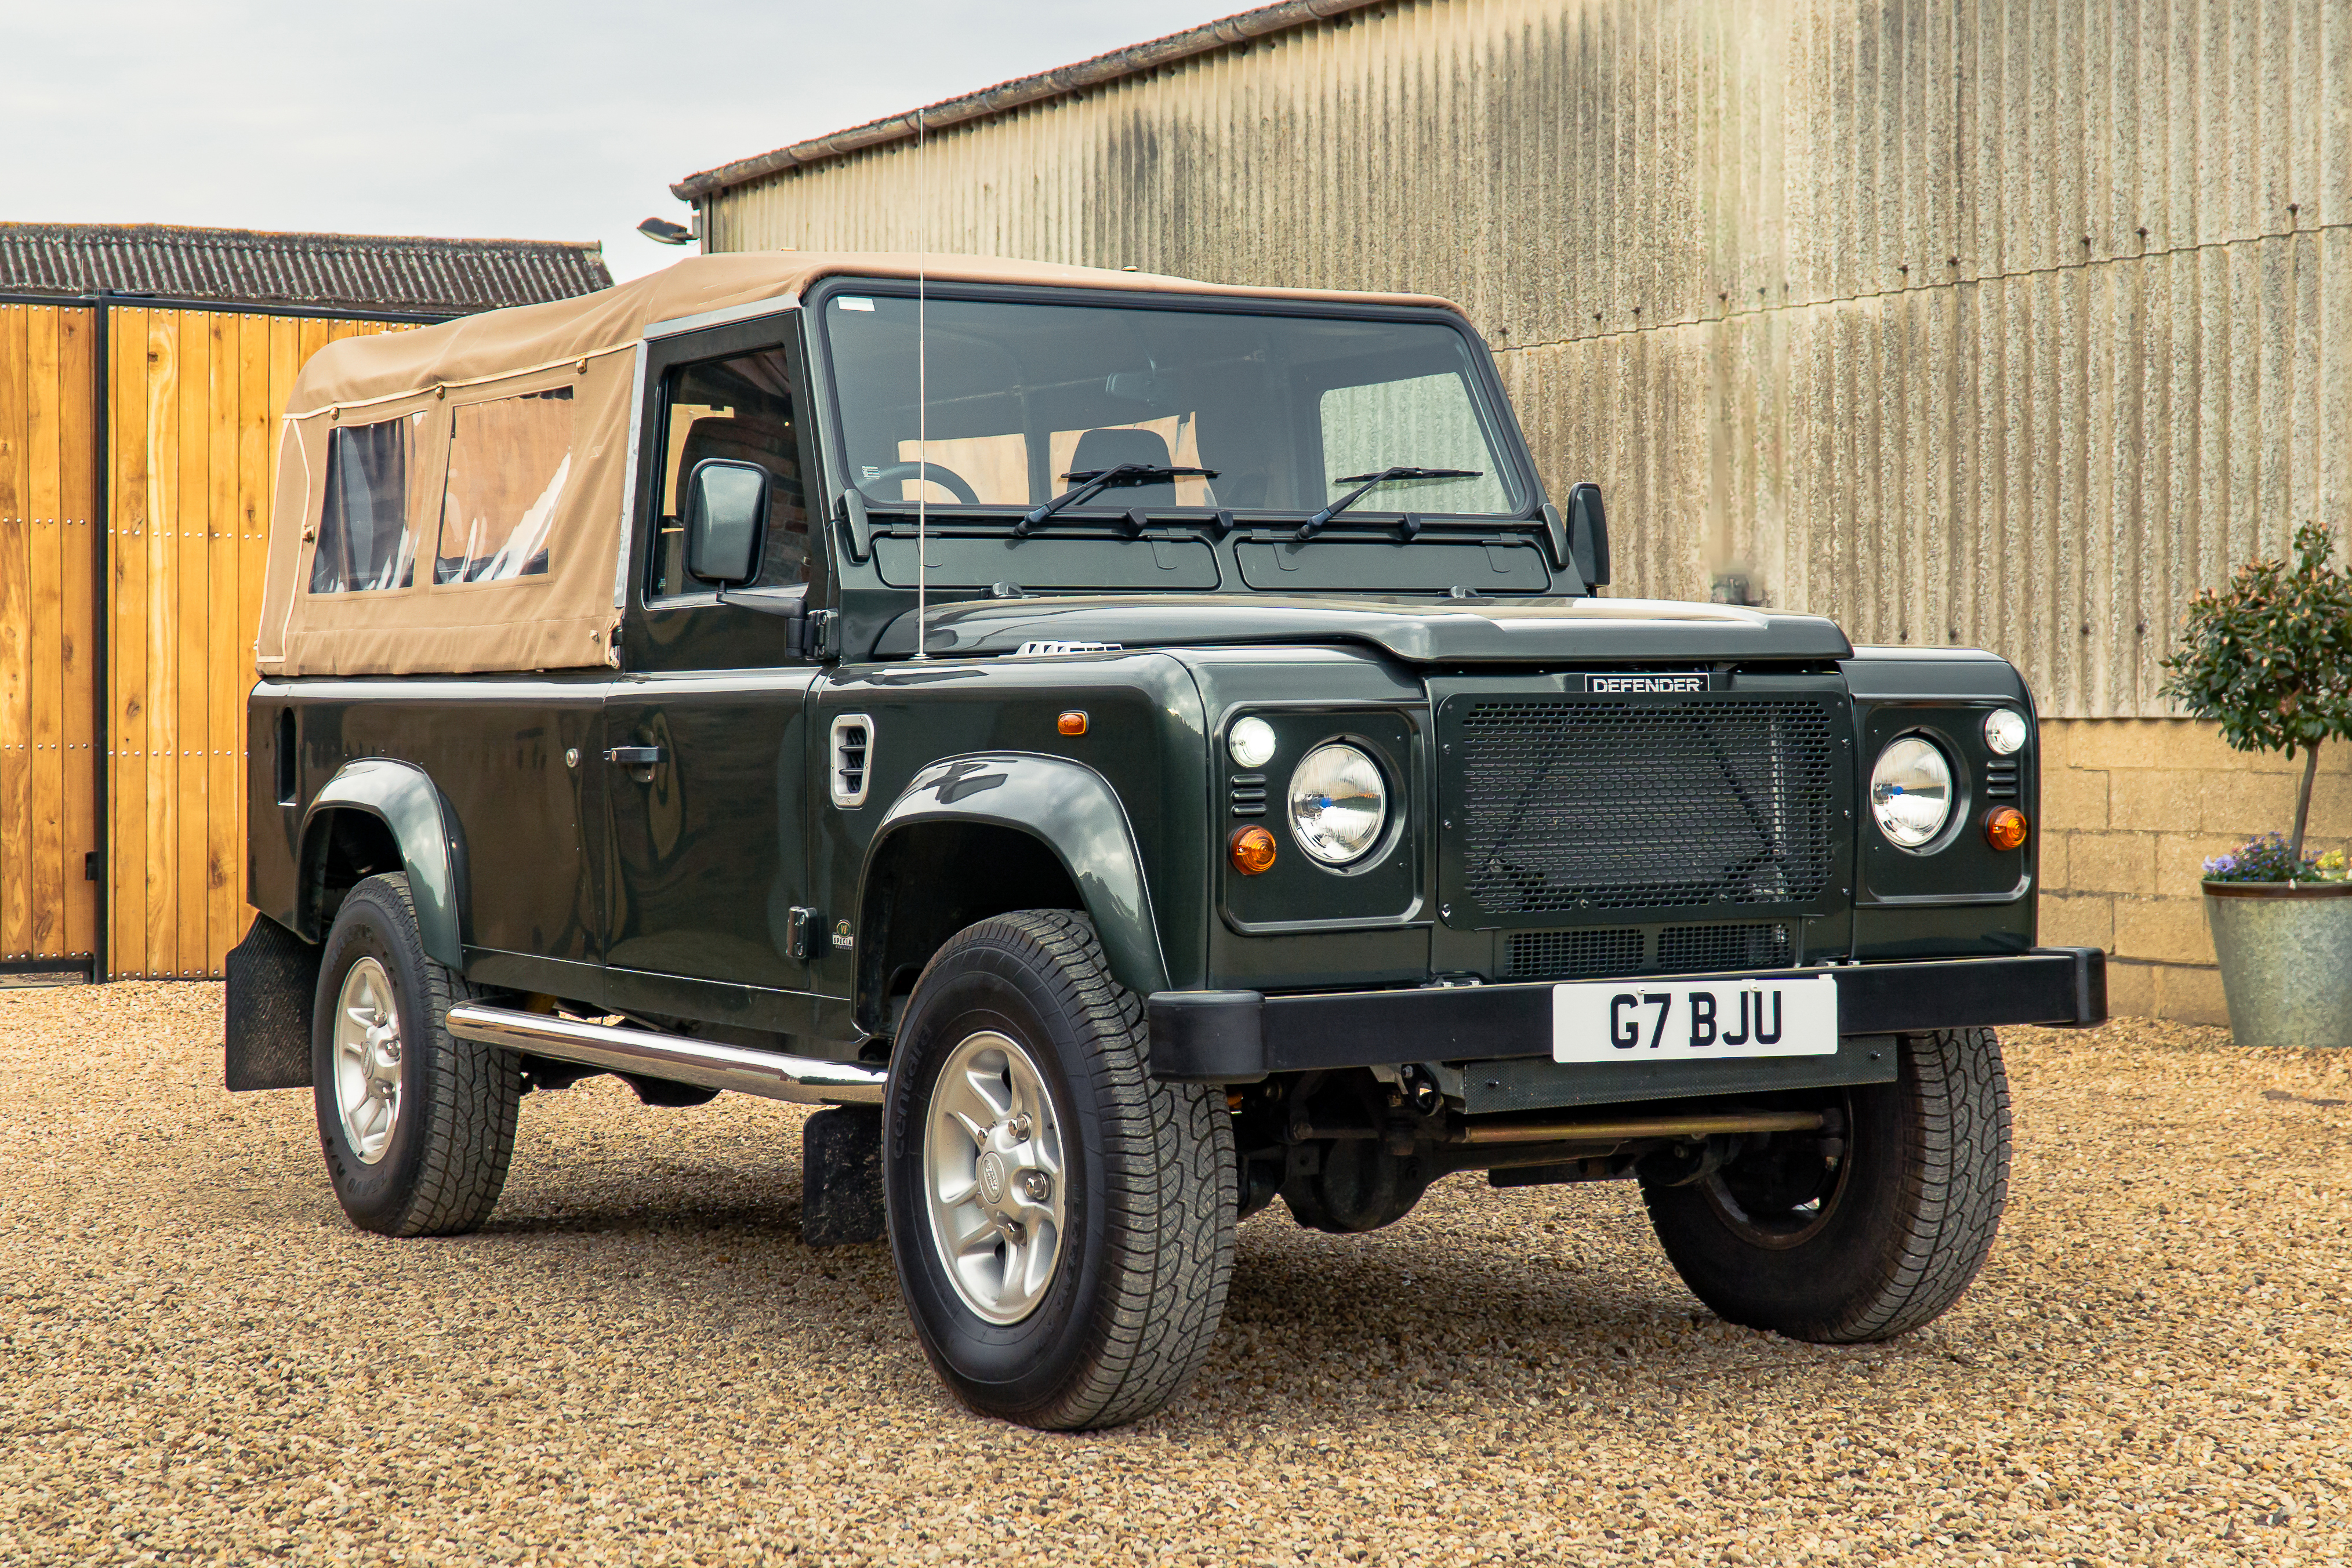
808,626
1555,537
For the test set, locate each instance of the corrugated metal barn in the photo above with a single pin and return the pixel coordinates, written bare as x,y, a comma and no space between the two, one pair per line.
142,371
2004,324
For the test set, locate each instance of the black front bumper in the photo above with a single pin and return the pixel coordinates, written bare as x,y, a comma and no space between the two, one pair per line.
1241,1037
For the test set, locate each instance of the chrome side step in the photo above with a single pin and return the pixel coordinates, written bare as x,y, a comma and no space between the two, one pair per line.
706,1064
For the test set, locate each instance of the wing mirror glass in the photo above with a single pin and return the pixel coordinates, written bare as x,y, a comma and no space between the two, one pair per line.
726,512
1588,534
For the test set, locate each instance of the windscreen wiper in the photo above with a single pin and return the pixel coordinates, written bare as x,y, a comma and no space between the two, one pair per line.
1094,481
1365,482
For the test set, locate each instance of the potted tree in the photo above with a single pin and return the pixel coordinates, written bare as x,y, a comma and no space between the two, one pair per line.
2270,658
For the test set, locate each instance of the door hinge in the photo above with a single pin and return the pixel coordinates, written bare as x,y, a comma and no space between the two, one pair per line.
817,634
800,933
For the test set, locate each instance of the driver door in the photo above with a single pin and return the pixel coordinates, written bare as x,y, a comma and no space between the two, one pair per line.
706,743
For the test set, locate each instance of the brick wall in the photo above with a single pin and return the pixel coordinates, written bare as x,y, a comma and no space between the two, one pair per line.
2130,809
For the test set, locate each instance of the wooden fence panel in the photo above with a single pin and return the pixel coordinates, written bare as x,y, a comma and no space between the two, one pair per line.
130,501
48,820
190,441
197,397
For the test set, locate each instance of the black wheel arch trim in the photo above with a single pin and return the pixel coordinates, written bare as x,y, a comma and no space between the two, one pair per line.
403,797
1067,807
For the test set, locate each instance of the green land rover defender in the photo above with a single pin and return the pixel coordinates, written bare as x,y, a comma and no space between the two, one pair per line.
1138,751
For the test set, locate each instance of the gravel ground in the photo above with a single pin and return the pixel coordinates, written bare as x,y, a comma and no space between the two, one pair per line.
637,1361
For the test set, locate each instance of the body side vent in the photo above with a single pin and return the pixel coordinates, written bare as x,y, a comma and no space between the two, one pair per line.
848,751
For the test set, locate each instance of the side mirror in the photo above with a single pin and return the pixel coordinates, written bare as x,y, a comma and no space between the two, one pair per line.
726,513
1588,534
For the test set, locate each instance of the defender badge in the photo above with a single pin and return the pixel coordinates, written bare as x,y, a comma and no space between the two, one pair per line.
1643,685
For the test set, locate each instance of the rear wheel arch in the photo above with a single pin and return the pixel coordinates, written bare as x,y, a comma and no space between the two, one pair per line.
376,816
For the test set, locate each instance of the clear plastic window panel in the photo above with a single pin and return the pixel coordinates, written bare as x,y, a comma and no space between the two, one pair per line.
367,529
510,459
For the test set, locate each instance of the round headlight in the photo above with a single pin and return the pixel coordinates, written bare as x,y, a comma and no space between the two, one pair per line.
1251,742
2005,731
1911,791
1338,803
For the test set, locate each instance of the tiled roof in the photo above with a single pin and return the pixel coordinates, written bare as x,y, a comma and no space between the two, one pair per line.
352,274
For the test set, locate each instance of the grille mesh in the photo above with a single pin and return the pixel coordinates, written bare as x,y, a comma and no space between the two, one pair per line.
1539,954
1684,949
1569,804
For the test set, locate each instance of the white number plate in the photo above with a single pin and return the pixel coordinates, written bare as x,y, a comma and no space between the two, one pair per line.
1665,1019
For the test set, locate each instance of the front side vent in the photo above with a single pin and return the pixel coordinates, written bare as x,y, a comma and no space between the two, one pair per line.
852,744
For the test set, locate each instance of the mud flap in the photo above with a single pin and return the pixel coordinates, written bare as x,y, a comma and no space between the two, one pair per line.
273,983
841,1176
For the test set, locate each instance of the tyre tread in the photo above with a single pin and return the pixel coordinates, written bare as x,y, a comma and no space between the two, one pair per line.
1169,1158
470,1127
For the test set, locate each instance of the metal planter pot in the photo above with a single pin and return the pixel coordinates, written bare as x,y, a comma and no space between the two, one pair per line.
2286,960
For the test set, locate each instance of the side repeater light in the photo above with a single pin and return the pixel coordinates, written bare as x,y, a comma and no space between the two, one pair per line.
1072,723
2004,828
1250,850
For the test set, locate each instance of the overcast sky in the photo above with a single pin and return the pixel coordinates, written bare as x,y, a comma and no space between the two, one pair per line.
478,118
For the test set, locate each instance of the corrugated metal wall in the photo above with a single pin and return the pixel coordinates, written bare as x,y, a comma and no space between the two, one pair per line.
1992,323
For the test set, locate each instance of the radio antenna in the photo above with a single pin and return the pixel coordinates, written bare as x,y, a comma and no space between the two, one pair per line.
922,390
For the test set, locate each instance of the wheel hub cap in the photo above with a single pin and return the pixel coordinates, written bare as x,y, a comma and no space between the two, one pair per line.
367,1059
993,1177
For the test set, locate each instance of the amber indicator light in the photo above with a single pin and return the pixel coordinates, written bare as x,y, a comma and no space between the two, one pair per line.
2005,827
1251,849
1073,723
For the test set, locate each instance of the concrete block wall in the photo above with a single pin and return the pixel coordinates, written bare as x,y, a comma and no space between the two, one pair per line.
2130,809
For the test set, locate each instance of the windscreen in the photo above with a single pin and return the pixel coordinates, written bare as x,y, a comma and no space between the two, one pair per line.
1286,413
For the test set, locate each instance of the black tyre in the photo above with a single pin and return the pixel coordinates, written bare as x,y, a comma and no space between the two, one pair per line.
1875,1242
416,1126
1061,1224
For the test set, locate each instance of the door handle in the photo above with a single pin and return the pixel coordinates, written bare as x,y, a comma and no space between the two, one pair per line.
634,756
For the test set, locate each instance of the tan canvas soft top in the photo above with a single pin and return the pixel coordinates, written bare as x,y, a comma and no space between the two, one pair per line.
510,432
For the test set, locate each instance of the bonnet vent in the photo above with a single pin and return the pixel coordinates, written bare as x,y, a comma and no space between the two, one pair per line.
853,742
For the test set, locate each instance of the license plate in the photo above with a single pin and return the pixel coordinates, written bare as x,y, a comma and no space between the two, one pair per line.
1666,1020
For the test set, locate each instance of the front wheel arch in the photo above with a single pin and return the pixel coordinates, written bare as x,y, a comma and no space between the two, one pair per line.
1054,825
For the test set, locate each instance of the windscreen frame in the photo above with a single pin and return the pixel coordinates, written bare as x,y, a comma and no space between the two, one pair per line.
1498,422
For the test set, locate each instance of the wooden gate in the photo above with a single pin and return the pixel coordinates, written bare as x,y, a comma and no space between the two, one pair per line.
48,770
189,446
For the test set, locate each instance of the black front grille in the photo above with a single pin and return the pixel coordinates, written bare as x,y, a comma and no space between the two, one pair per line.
1567,805
1688,950
1680,950
1544,954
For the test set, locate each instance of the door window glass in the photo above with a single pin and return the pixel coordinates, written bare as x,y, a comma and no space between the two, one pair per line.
366,537
741,409
509,461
